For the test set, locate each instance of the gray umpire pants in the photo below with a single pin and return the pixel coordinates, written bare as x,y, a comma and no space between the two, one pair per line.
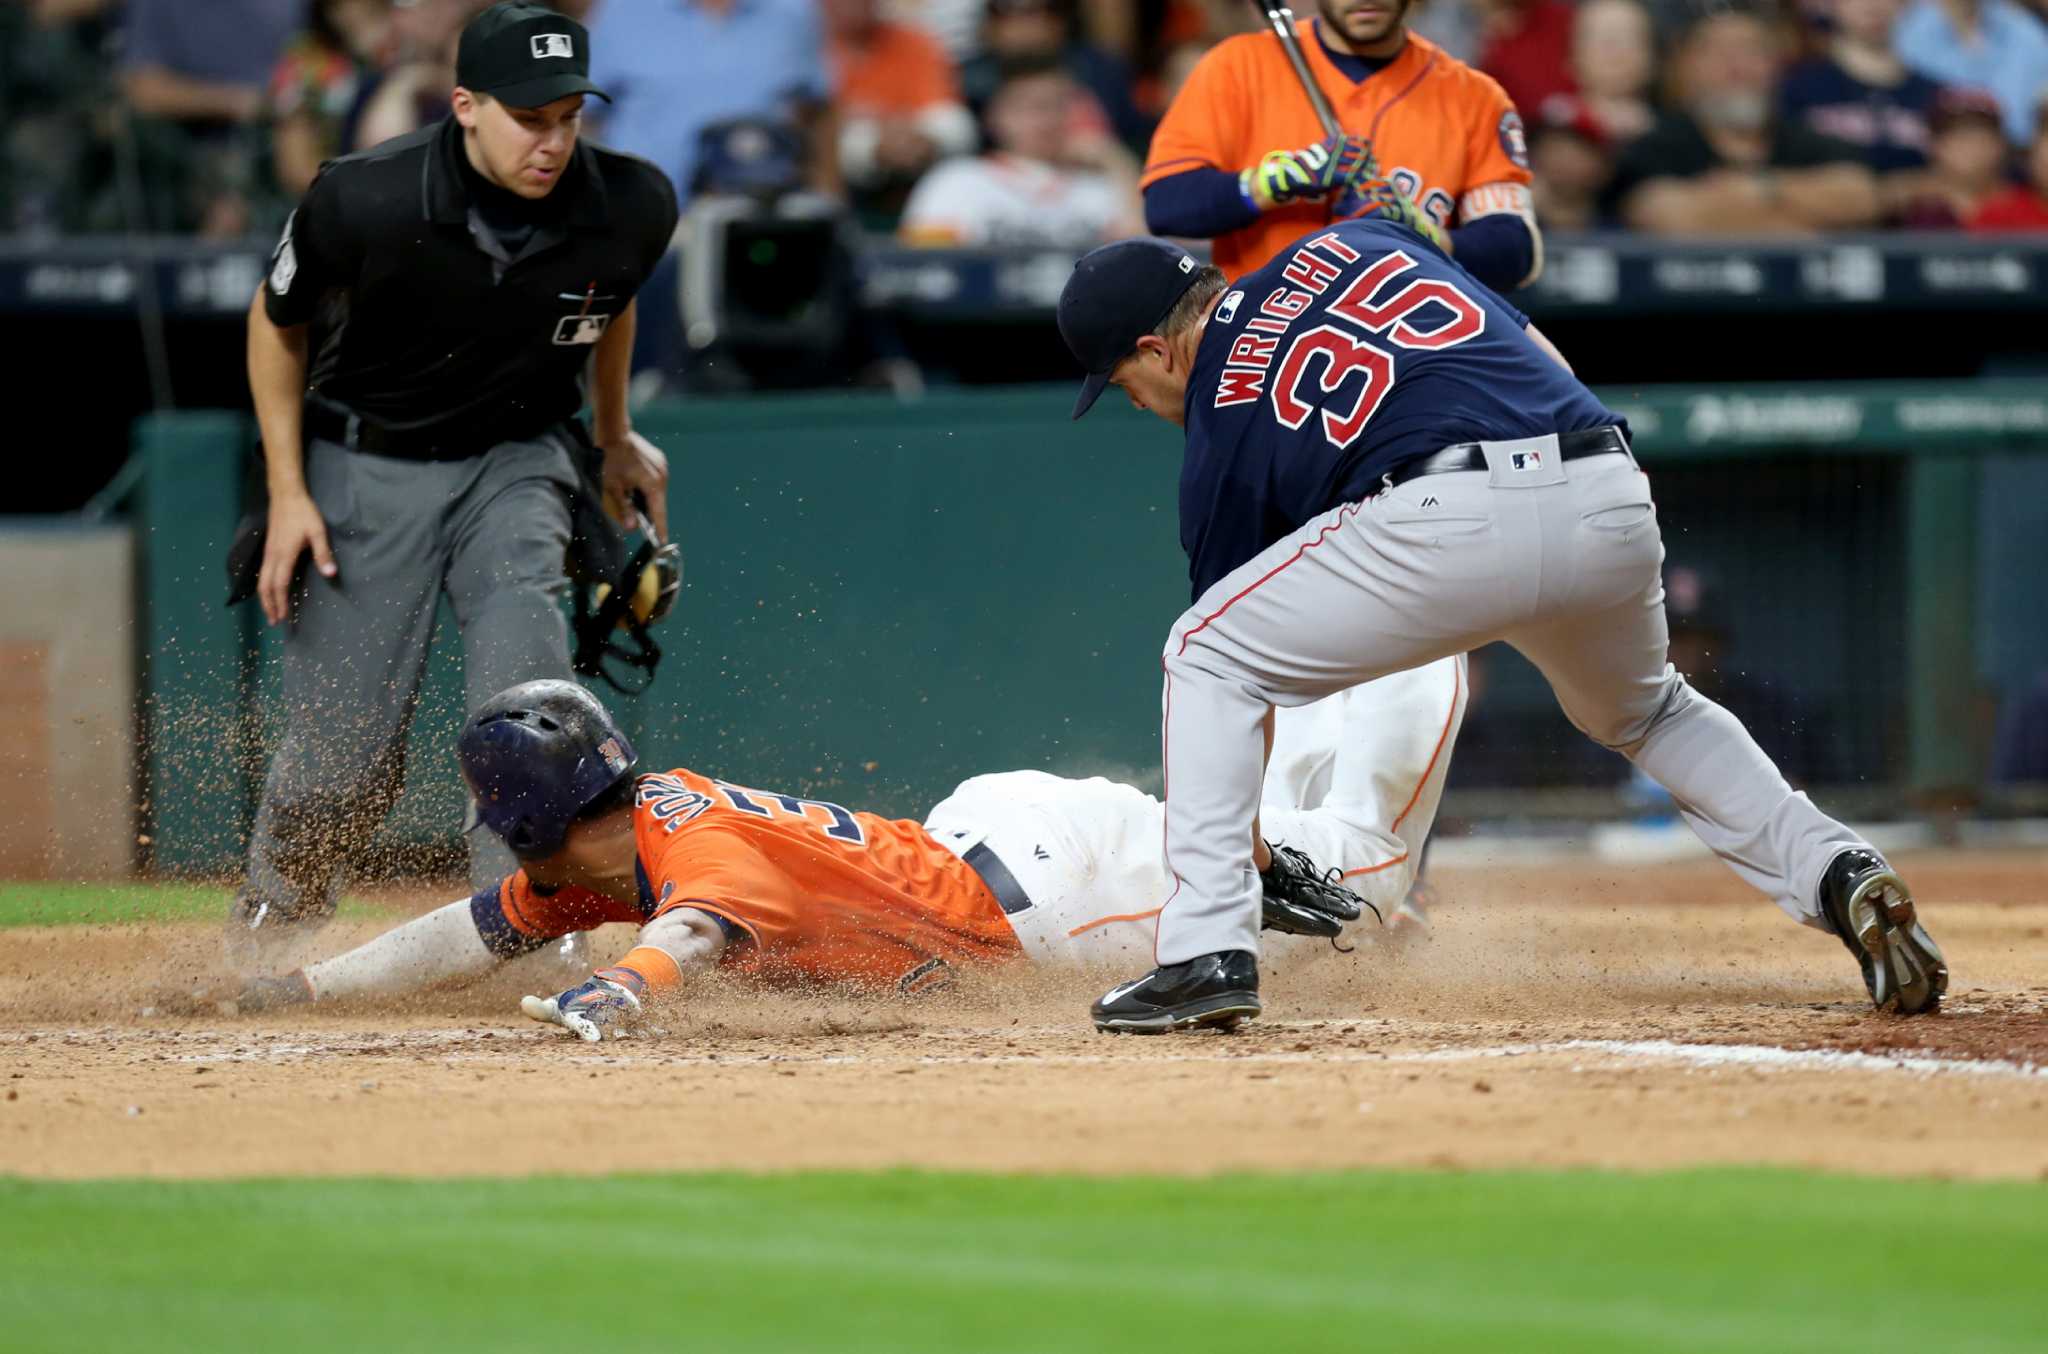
1563,561
489,533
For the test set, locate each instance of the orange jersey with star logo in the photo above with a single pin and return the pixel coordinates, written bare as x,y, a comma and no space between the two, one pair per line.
1445,134
809,891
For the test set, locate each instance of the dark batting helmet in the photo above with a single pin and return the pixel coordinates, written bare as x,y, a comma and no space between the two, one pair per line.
535,756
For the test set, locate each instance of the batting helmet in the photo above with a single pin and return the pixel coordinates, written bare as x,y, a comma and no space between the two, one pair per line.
535,756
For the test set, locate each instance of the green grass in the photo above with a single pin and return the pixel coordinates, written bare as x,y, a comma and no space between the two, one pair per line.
59,903
1711,1260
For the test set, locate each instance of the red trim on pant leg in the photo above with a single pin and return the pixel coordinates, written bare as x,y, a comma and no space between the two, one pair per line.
1123,916
1374,869
1259,582
1166,741
1443,736
1457,686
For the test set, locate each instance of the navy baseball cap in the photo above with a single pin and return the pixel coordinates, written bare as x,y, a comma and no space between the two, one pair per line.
525,55
1117,295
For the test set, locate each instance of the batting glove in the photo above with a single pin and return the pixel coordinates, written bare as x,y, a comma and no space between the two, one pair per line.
1303,899
1309,174
606,1001
1375,197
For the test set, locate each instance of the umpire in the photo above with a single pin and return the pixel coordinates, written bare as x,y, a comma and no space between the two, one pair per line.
418,357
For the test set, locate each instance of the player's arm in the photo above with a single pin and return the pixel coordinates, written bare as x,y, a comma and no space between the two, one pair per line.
461,940
1496,237
678,942
441,946
708,885
312,257
632,464
1201,180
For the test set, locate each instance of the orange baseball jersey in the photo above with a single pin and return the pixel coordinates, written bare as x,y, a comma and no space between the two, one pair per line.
809,891
1444,133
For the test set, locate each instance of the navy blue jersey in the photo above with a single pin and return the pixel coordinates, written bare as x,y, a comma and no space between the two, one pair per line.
1356,349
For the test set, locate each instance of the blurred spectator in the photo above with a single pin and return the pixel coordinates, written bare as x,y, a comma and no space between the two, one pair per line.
203,69
1526,45
1451,24
1569,155
1968,161
1613,63
899,103
319,86
2021,206
1993,45
1028,190
419,76
53,86
680,67
1038,30
1725,164
1857,90
956,24
2019,754
204,64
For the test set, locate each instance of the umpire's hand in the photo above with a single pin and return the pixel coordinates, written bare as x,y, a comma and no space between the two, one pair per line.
296,526
633,463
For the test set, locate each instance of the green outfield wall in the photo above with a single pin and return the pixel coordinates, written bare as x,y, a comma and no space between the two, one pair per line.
883,598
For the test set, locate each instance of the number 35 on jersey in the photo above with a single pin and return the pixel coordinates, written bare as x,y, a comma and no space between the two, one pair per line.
1345,365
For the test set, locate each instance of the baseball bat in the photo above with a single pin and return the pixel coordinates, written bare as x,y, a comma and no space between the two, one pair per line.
1282,20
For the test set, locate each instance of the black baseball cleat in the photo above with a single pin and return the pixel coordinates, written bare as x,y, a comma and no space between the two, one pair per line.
1869,907
1212,989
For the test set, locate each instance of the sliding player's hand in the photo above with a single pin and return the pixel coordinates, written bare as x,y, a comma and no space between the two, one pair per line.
588,1009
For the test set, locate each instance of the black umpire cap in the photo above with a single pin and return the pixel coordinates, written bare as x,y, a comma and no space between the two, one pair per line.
1117,295
525,55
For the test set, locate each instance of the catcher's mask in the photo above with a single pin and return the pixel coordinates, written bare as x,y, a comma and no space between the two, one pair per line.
613,641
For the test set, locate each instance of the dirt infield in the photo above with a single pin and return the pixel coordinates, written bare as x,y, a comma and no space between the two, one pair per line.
1557,1015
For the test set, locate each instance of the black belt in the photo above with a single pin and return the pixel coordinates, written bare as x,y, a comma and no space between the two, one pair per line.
330,423
1010,895
1471,456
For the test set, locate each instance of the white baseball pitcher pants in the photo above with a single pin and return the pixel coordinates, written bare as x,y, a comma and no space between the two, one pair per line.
1355,782
1561,560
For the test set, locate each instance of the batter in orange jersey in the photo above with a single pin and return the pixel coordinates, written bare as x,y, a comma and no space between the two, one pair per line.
1443,134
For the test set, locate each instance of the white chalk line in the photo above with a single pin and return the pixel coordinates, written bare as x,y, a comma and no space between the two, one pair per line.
458,1047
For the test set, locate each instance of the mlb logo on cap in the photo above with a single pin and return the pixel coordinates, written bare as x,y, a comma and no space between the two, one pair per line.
554,44
614,755
1527,460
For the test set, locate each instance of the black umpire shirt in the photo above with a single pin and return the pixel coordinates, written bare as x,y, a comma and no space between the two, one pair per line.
442,318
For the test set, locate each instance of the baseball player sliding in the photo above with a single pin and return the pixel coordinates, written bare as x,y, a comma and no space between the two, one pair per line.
1386,464
1016,865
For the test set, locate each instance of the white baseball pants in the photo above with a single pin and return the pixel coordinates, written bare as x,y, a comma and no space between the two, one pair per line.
1561,560
1355,782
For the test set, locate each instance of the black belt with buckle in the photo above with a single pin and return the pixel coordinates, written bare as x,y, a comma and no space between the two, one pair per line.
1010,895
1471,456
330,423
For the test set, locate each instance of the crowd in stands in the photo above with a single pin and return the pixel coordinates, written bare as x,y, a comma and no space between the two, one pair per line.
996,121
